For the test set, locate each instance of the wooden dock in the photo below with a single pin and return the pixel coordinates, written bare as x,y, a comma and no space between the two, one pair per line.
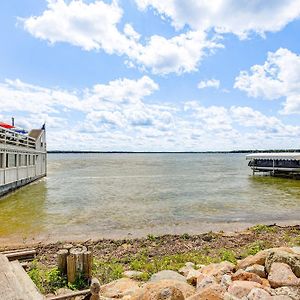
15,284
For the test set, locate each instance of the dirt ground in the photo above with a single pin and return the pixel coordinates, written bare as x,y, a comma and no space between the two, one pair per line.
240,243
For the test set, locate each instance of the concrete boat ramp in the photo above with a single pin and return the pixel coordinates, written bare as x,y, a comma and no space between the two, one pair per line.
15,284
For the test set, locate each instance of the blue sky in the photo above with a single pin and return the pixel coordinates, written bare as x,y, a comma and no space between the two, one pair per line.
149,75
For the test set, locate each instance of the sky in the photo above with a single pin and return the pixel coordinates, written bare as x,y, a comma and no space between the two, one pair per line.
153,75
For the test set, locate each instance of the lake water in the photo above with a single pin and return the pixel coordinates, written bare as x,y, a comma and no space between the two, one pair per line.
114,195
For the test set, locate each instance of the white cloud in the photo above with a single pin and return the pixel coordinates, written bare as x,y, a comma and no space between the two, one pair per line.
211,83
227,16
278,77
90,26
116,116
94,26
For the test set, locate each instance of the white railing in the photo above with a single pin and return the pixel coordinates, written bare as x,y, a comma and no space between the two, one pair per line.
11,137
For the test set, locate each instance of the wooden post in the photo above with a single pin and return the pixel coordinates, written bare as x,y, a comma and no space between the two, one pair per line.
62,260
71,268
87,264
95,289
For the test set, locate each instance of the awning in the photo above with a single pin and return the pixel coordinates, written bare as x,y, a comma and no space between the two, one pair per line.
275,156
5,125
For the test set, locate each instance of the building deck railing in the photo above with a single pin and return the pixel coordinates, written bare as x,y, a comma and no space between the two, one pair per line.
11,137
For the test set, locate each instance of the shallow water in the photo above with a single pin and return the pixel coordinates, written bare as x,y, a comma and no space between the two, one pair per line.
108,195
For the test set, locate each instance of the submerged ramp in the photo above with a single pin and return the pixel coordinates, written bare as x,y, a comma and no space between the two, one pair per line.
15,284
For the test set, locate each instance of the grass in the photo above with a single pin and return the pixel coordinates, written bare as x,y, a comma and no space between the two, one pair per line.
50,280
260,228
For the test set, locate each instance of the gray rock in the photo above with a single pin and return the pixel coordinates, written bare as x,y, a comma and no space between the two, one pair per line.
226,281
167,274
258,294
293,260
292,292
204,281
257,269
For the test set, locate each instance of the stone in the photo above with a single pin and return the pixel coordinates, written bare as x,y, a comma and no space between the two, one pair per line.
258,270
203,281
258,294
119,288
265,282
226,281
186,269
62,291
247,276
282,275
241,289
292,292
281,298
291,259
213,292
218,269
164,289
259,258
190,264
228,296
296,250
192,276
133,274
167,274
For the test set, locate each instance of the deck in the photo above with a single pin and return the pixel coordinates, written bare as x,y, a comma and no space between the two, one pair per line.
15,284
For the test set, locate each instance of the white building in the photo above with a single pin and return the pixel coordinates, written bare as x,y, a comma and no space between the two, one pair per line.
23,158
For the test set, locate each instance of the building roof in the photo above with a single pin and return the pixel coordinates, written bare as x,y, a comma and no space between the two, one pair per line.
35,133
281,155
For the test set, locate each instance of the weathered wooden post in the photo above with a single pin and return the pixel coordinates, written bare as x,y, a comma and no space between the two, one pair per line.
75,262
62,260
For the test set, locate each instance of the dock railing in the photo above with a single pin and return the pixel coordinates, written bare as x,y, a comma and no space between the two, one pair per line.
10,137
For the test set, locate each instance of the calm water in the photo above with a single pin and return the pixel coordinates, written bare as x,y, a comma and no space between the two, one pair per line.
114,195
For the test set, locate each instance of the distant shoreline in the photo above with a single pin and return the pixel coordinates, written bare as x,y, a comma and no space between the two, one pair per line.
170,152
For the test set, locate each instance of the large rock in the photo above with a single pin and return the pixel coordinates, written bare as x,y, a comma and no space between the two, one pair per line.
213,292
219,269
282,275
164,289
167,274
292,292
247,276
291,259
258,294
258,270
241,289
226,281
260,257
203,281
119,288
228,296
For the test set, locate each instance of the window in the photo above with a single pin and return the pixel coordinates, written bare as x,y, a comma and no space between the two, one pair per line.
11,160
22,160
2,160
29,160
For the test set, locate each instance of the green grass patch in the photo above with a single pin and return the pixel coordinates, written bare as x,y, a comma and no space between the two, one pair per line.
260,228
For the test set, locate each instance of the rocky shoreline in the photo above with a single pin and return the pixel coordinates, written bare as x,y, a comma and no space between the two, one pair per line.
268,275
262,262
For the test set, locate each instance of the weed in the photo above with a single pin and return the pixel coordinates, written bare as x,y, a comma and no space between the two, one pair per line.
228,255
260,228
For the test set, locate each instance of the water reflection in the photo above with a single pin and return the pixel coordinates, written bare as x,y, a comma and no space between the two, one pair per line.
22,213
